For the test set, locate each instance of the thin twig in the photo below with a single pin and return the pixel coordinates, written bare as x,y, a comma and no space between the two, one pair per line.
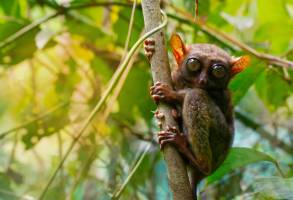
129,29
81,173
119,191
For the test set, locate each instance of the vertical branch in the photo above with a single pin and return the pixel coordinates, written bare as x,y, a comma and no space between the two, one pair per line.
177,173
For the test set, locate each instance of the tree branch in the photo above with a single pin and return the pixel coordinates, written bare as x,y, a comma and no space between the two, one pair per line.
177,173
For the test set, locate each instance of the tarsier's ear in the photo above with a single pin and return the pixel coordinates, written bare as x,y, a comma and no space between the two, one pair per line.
178,47
239,64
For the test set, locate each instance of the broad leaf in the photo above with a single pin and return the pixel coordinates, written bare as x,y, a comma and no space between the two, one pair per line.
238,157
271,83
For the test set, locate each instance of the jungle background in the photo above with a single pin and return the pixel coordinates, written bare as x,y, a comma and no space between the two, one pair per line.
57,58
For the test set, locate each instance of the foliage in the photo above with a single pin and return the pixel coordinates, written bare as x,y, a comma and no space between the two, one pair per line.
56,60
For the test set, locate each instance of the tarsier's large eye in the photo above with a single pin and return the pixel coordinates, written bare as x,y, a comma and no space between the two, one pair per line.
219,71
193,64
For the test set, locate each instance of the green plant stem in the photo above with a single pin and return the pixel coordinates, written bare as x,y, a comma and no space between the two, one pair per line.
81,173
104,97
282,174
120,190
42,116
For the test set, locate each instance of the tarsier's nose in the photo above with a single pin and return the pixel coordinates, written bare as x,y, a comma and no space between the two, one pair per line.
202,81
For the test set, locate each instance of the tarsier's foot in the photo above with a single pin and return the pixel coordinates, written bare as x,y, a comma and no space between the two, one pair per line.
149,47
173,136
162,92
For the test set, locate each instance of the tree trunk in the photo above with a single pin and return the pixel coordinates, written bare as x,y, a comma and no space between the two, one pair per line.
177,172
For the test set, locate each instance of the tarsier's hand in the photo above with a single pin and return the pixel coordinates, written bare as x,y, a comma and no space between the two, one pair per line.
149,47
162,92
173,136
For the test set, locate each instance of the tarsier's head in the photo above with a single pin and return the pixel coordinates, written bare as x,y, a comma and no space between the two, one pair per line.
205,66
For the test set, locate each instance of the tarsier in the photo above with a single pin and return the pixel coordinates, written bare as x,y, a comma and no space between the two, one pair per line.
202,104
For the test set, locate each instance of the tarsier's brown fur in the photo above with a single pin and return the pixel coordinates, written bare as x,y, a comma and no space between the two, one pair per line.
202,100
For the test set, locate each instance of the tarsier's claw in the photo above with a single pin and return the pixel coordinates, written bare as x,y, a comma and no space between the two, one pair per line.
149,47
173,136
160,91
156,98
165,137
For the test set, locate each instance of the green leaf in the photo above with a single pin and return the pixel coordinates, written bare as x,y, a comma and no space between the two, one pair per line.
273,89
45,127
21,48
238,157
14,8
243,81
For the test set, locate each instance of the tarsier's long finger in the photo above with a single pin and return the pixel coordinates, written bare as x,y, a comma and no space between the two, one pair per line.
166,137
173,129
157,97
165,133
158,89
164,142
152,90
158,83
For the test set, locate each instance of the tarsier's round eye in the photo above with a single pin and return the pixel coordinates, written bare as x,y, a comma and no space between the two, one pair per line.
193,64
219,71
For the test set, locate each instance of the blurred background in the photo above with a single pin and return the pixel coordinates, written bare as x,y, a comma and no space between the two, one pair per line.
56,60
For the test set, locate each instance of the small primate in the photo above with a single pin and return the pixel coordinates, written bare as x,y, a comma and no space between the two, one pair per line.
202,103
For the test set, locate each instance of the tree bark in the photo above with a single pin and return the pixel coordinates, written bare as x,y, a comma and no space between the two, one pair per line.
177,172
